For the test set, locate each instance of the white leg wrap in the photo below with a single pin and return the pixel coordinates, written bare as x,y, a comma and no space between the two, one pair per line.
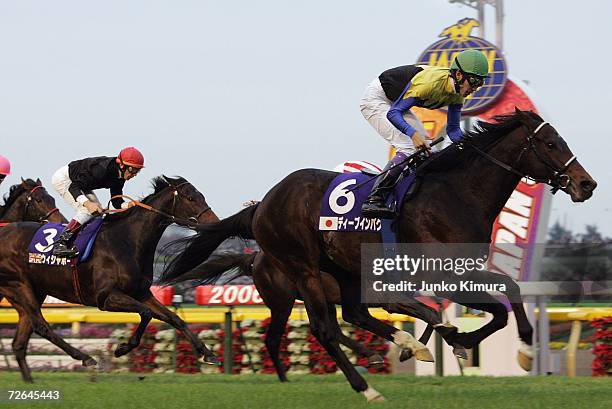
372,395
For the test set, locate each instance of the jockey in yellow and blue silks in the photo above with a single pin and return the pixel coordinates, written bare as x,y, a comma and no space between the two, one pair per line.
386,105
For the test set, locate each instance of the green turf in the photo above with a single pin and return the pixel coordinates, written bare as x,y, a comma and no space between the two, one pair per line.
313,391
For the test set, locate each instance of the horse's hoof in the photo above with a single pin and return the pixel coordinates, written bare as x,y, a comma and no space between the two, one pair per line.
525,357
376,361
372,395
122,349
405,355
424,355
211,360
90,362
459,351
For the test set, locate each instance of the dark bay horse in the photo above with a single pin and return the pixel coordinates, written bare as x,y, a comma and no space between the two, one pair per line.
464,189
116,277
279,294
29,201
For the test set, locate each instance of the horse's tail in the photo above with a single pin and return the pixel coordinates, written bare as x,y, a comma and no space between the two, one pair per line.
195,249
212,269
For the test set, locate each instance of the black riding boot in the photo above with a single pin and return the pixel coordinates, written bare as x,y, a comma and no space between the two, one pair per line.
376,203
64,248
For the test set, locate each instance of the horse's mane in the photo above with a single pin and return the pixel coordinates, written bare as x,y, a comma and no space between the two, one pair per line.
483,136
14,192
158,184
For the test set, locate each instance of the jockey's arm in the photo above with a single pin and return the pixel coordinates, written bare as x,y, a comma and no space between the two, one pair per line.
118,202
453,118
396,115
77,192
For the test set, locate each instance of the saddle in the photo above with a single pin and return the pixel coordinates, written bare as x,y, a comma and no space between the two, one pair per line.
341,204
41,246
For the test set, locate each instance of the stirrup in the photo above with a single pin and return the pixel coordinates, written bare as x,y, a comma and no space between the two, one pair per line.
377,211
61,250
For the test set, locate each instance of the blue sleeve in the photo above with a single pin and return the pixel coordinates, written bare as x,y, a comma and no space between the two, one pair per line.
452,122
396,115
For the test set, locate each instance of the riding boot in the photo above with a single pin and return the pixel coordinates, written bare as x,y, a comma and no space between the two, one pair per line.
64,248
376,203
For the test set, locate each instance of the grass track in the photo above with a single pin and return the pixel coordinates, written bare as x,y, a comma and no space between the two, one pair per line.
332,391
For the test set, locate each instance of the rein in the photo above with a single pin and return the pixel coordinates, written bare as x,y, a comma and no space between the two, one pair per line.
191,222
559,180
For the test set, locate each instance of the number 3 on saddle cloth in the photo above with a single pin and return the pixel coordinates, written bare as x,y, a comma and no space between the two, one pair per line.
41,247
341,205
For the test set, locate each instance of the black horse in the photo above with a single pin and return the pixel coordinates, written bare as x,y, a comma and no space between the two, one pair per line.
279,293
29,201
117,276
464,189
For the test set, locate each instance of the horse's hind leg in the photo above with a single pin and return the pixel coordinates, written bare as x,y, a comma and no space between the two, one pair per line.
161,313
24,300
309,286
357,313
20,343
374,359
274,336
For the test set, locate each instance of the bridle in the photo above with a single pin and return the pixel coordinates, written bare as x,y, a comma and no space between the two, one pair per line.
190,222
192,219
29,201
559,180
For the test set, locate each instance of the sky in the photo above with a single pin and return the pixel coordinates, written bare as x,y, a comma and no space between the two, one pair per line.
236,95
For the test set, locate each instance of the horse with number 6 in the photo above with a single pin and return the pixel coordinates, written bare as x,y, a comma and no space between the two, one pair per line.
448,208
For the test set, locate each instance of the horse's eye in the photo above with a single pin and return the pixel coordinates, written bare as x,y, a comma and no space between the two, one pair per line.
550,145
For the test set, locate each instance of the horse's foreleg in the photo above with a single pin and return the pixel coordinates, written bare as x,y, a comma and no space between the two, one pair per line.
162,313
134,341
431,317
488,304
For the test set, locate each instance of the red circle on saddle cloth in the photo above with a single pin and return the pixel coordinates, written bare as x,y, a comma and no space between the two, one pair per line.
328,223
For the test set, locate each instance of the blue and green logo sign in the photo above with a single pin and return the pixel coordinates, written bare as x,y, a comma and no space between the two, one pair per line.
456,39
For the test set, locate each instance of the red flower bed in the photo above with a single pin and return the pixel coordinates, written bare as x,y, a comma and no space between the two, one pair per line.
602,364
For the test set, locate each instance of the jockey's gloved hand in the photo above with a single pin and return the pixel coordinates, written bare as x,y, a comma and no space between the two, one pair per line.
93,207
420,143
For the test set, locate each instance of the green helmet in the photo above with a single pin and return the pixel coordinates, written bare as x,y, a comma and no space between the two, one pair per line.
471,62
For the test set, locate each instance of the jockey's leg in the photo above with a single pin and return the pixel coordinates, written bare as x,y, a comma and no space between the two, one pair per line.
61,183
374,107
376,203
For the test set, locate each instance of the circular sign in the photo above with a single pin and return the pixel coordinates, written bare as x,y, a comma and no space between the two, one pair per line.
457,39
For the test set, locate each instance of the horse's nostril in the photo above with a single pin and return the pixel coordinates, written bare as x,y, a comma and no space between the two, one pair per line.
588,185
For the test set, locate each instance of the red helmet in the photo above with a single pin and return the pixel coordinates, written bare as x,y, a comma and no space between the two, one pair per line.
131,157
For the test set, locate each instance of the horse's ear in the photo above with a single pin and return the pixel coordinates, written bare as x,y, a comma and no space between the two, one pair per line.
23,182
167,180
517,110
38,182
